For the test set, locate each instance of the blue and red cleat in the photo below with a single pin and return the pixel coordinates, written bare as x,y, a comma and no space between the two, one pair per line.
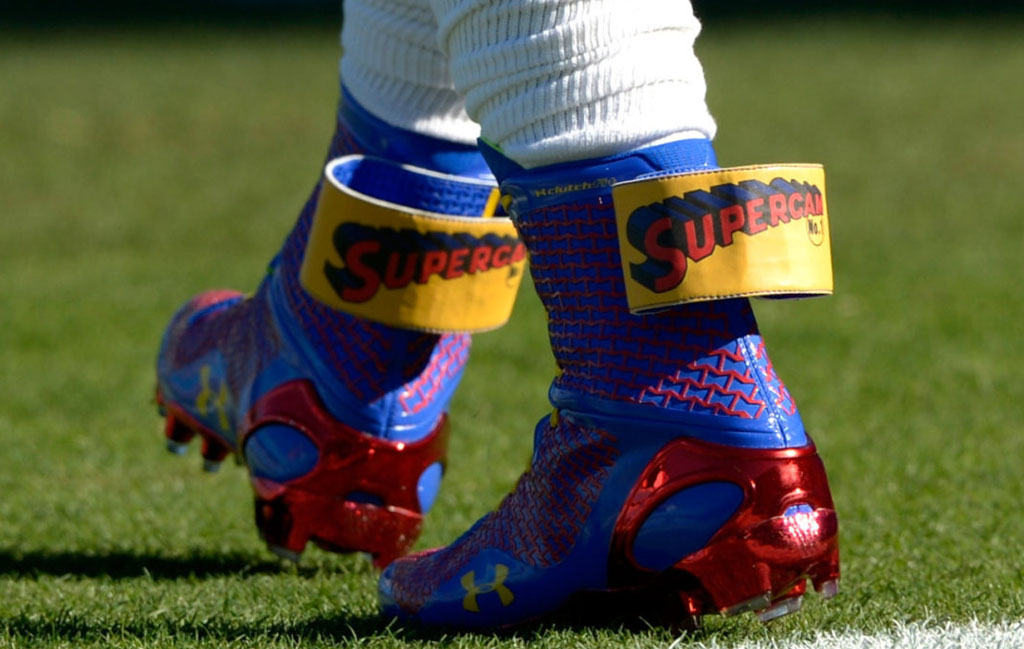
675,470
340,420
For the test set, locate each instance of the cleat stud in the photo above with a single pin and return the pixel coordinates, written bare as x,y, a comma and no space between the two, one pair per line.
285,553
781,608
178,448
753,604
177,431
829,589
211,466
682,612
213,452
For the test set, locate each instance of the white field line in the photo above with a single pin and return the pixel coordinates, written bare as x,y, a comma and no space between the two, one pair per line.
974,635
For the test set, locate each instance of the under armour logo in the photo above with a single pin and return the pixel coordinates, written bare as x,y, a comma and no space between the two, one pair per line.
206,395
497,586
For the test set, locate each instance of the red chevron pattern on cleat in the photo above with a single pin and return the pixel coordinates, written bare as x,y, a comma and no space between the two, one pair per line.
689,358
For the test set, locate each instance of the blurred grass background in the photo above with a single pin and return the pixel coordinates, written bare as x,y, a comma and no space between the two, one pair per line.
138,166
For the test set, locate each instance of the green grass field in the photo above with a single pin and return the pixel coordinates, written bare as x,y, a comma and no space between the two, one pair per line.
137,168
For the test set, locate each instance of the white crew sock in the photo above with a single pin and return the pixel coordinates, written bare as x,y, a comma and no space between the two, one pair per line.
557,80
393,67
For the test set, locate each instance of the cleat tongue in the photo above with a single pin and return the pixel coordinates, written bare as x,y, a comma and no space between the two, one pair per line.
178,448
781,608
285,553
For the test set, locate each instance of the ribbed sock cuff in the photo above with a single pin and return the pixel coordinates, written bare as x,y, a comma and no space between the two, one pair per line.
557,80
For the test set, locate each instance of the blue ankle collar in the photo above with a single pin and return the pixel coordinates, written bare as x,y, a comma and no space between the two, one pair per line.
378,138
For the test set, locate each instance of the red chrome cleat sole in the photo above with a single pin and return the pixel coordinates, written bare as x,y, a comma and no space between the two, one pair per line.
785,532
360,497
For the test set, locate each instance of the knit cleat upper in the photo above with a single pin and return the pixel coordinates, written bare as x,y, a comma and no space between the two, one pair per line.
676,468
339,416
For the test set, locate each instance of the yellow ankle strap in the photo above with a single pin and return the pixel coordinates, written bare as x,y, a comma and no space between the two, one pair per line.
411,269
717,234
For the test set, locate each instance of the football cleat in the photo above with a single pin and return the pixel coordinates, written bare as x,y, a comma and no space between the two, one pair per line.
331,383
675,468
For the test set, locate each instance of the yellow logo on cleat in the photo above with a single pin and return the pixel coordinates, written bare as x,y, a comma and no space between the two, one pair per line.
219,399
497,586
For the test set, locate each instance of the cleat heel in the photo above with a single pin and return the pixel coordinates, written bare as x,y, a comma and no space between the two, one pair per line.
779,526
780,552
325,492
